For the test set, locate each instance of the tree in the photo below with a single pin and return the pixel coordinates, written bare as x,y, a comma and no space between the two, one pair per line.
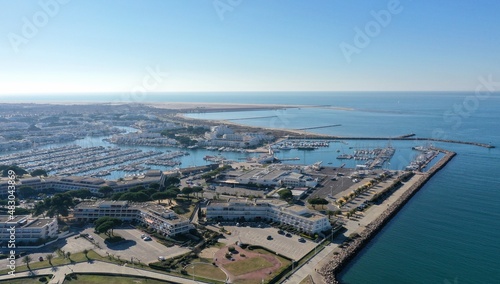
159,196
117,196
49,258
27,259
68,255
26,191
198,189
136,188
174,188
285,194
85,252
104,224
39,172
106,190
80,193
317,201
5,170
135,196
171,181
329,213
59,204
154,185
187,191
170,194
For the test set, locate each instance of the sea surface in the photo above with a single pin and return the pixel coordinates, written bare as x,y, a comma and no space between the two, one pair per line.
449,232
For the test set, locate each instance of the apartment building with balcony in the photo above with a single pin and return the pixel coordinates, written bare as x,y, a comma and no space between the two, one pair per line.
164,221
274,210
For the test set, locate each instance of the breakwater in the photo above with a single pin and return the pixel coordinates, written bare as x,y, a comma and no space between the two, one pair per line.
339,261
404,137
302,134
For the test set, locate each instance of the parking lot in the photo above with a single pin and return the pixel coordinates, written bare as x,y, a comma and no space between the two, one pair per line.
134,246
288,246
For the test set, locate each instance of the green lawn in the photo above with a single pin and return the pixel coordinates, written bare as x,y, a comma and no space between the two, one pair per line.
99,279
56,261
33,280
206,271
284,262
247,265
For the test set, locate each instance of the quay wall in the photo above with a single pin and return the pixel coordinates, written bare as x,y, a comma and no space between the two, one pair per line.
339,261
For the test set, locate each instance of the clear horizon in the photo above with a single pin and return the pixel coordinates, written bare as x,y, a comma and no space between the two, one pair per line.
61,46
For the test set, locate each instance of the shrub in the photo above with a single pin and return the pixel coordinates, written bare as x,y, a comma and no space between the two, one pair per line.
42,279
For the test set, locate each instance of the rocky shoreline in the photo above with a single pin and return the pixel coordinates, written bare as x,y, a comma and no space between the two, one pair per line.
338,262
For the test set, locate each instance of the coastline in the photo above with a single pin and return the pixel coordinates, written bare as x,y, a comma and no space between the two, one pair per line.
340,260
302,134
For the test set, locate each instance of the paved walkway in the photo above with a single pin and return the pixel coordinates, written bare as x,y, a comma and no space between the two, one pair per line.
60,272
352,226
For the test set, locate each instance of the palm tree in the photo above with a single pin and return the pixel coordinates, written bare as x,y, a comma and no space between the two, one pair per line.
86,251
49,258
27,259
68,255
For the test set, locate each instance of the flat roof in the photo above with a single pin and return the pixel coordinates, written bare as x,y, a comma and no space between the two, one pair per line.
39,223
17,218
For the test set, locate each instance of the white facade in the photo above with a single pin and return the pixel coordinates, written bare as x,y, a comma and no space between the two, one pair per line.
155,216
297,216
27,229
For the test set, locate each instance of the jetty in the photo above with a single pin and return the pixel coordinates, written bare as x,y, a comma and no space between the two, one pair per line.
253,117
404,137
348,252
301,134
318,127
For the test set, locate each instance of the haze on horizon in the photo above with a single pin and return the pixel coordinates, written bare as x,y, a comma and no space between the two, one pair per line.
56,46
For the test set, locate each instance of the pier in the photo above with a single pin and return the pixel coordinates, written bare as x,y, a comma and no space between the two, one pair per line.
340,260
252,117
401,138
318,127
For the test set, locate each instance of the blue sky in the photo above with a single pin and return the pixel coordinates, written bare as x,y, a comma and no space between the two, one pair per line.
254,45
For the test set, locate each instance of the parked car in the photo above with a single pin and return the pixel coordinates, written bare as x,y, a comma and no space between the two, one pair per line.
281,232
269,237
302,240
288,235
162,258
147,238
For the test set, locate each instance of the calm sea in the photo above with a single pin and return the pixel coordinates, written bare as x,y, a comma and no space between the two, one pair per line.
449,231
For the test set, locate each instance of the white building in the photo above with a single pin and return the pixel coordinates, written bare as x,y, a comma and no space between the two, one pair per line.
81,182
27,229
155,216
278,211
273,177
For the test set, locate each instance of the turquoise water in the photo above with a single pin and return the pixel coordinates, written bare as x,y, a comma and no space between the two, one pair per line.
449,231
